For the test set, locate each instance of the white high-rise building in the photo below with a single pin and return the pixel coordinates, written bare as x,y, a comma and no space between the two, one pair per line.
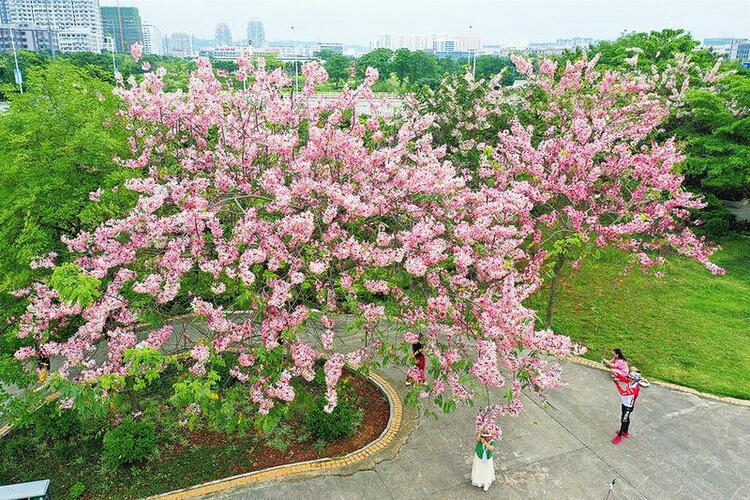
223,35
152,40
429,42
77,23
740,50
181,45
256,33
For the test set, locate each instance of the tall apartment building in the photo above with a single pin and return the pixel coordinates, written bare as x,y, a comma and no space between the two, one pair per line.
152,40
223,35
33,38
256,33
77,22
181,45
123,25
4,12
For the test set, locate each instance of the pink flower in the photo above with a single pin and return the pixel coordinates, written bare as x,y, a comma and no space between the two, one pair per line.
200,353
47,262
95,195
136,50
415,266
523,66
67,403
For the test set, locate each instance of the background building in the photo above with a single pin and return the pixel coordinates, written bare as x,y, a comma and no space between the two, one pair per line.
33,38
226,52
223,35
152,40
4,12
719,46
123,25
336,48
576,42
77,22
181,45
740,50
256,33
429,42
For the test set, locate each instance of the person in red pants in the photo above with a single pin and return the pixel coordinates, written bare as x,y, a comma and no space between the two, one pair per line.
628,395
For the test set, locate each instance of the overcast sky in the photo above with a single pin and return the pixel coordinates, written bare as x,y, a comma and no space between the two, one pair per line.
359,21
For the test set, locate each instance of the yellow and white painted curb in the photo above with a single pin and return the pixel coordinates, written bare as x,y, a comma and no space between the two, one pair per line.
385,439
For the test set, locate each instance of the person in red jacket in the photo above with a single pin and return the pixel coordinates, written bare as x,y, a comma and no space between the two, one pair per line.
628,395
417,374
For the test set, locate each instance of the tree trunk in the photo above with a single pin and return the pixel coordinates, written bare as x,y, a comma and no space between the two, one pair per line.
553,289
135,405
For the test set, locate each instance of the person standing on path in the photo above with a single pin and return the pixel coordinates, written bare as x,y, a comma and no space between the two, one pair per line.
628,395
417,374
483,467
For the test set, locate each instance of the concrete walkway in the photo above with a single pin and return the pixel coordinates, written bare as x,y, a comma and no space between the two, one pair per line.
683,446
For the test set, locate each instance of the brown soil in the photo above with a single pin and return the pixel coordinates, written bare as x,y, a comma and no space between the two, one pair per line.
261,456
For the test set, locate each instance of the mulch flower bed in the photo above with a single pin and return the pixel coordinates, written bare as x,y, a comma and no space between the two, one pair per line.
203,455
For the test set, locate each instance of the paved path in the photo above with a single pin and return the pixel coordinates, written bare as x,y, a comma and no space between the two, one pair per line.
683,446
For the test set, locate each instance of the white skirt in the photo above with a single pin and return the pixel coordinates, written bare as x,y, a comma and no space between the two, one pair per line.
482,472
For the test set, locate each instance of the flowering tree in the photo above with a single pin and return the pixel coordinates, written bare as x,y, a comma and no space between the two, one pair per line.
580,143
297,211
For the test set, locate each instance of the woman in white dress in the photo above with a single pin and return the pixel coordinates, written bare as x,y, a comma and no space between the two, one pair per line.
483,467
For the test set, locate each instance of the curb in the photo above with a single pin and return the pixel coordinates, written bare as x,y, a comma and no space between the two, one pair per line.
385,439
680,388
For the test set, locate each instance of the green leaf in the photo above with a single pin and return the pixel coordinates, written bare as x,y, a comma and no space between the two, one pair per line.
73,285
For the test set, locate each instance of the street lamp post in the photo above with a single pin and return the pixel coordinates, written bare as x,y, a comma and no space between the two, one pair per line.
474,59
296,72
114,61
17,73
49,30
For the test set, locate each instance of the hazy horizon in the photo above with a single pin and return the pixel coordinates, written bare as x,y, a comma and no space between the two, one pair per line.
510,21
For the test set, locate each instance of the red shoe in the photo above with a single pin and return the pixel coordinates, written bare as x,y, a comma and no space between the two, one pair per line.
617,439
625,435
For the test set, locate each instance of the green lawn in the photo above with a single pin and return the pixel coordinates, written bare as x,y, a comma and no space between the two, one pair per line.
690,328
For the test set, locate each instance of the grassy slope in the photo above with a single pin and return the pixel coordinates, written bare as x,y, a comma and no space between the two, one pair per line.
690,328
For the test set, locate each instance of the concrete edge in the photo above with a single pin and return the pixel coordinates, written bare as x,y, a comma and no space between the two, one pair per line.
680,388
389,441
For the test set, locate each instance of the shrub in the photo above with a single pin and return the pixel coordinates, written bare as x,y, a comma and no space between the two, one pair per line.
343,421
55,425
77,490
718,219
131,442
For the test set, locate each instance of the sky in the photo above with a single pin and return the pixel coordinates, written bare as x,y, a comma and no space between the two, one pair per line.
495,21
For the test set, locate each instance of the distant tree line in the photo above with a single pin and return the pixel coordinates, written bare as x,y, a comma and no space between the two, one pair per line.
407,70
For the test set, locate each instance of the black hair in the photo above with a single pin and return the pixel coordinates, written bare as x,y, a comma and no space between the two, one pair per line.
619,354
416,348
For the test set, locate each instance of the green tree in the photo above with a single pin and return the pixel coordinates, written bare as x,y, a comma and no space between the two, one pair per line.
337,66
419,68
655,48
713,125
379,59
57,142
717,140
490,65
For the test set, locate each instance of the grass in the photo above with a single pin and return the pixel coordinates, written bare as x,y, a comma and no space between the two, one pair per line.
80,465
690,328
